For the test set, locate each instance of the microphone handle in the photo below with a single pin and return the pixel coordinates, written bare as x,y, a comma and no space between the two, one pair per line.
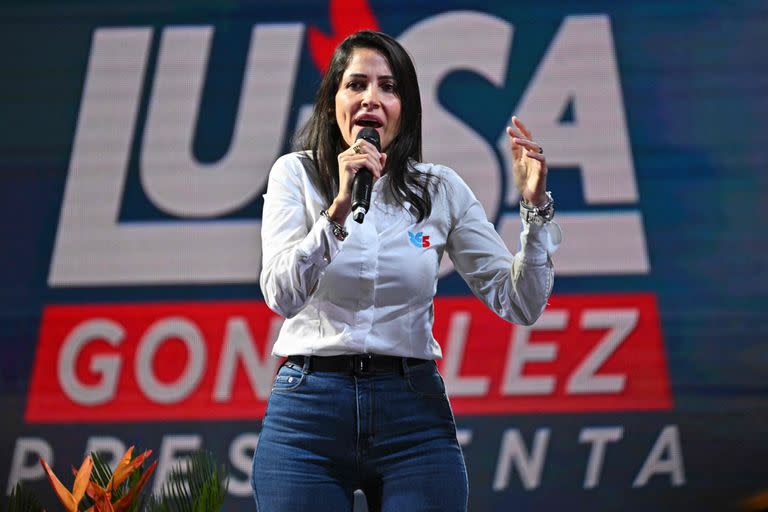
361,194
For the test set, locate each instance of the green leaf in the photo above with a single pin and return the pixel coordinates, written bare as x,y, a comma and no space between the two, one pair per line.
197,486
23,500
101,473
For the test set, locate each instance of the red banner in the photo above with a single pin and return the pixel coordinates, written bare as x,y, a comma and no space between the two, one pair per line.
601,352
201,361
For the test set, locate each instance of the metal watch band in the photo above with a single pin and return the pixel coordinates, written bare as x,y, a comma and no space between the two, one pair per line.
538,215
339,231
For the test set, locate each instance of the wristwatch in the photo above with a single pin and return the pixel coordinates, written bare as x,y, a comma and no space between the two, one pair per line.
538,215
339,231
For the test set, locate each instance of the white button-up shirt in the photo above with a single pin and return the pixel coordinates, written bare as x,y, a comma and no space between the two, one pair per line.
373,292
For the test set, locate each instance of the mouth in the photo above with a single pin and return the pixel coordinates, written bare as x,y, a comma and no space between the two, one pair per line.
368,121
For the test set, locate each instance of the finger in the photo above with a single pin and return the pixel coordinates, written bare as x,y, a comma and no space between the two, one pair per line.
362,160
537,156
366,146
353,162
357,148
366,143
373,164
516,149
522,127
349,158
533,146
514,132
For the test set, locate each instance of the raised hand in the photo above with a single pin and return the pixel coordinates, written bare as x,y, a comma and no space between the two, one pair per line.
529,166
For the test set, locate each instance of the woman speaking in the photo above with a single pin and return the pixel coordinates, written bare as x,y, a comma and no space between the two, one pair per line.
358,402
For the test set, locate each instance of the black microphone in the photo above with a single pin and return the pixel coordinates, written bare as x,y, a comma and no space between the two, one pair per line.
363,182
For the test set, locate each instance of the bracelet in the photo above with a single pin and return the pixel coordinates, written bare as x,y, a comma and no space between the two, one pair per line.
538,214
339,231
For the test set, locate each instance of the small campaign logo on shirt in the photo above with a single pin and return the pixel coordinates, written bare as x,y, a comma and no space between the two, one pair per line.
419,239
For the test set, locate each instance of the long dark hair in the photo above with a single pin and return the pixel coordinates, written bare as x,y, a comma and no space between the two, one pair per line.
321,134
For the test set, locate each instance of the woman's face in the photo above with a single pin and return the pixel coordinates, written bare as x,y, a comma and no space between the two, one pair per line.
368,96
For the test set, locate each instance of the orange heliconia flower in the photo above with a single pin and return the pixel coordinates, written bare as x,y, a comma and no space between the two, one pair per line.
71,500
102,496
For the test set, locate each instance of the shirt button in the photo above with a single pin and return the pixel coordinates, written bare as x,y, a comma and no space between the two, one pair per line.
327,259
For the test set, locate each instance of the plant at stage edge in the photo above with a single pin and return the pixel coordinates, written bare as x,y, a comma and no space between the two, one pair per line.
107,491
119,491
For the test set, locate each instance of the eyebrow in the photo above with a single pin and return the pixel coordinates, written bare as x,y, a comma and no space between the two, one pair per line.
363,75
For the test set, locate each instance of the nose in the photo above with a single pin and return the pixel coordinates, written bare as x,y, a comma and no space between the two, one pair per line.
370,97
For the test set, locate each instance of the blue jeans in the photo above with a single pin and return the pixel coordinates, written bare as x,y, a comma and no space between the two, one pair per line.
327,434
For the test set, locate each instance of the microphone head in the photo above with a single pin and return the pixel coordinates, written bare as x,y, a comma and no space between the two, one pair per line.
371,135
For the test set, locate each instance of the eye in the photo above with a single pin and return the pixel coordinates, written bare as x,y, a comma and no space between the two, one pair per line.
355,85
389,87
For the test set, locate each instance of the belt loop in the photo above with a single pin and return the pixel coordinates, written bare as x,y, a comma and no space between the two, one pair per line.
306,369
405,365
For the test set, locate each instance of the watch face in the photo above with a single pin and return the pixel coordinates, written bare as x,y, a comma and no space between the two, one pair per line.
532,218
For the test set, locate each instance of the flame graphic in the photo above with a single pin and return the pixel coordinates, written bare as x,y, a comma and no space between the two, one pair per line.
347,16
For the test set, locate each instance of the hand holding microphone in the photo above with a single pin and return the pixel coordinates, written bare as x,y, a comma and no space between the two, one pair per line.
360,159
363,182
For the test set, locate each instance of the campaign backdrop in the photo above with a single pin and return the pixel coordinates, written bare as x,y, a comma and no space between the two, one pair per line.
135,144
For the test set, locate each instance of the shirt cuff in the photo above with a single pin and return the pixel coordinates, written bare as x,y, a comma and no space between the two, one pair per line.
320,246
539,242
